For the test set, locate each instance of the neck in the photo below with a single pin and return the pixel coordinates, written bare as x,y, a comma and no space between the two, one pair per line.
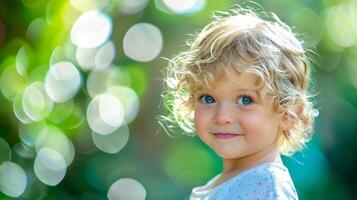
238,165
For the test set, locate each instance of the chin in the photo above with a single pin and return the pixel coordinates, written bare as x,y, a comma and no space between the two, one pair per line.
229,155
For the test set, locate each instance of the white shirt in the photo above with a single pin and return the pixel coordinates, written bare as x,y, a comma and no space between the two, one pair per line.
268,181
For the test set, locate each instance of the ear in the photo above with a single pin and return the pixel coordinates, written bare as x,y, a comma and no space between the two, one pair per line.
287,121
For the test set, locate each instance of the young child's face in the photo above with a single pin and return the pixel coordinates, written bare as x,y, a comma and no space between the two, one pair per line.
234,118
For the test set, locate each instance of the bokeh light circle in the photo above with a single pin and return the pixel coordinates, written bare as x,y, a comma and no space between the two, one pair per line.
341,24
86,58
28,133
99,81
11,82
53,138
313,27
23,58
19,111
35,101
129,99
96,58
113,142
91,29
5,151
36,29
63,81
128,189
24,151
63,52
49,167
104,56
143,42
105,114
85,5
184,6
132,6
13,179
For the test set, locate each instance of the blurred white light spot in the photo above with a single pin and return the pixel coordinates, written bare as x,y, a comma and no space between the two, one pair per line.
104,56
22,61
184,6
132,6
35,102
53,138
23,150
35,29
13,179
96,58
91,29
142,42
19,111
5,151
99,81
85,57
85,5
63,81
341,24
66,51
113,142
11,82
172,83
105,114
49,167
315,112
129,99
29,132
126,188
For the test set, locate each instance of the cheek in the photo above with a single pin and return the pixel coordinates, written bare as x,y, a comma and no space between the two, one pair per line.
259,127
249,123
200,120
201,123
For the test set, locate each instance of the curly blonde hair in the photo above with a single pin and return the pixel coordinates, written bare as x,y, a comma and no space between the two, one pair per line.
241,40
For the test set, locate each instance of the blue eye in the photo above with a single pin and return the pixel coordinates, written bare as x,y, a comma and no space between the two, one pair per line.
245,100
206,99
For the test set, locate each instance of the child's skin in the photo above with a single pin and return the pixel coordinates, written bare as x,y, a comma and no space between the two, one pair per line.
238,122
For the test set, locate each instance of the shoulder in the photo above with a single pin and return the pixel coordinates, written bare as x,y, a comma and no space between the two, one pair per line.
269,181
274,182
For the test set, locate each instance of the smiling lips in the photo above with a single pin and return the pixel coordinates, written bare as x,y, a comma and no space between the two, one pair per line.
225,135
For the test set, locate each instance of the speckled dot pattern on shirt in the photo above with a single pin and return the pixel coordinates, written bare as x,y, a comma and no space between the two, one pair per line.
268,181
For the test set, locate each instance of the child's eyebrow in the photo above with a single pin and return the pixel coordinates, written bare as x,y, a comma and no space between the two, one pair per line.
255,91
240,90
202,89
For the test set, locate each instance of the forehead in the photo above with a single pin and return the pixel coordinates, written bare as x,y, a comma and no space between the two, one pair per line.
237,81
232,78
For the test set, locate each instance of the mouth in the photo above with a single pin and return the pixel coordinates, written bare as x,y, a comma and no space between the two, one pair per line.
226,135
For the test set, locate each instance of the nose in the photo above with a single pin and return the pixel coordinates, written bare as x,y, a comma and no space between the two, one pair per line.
224,114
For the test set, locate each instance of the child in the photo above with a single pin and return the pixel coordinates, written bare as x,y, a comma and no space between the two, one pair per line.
242,86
